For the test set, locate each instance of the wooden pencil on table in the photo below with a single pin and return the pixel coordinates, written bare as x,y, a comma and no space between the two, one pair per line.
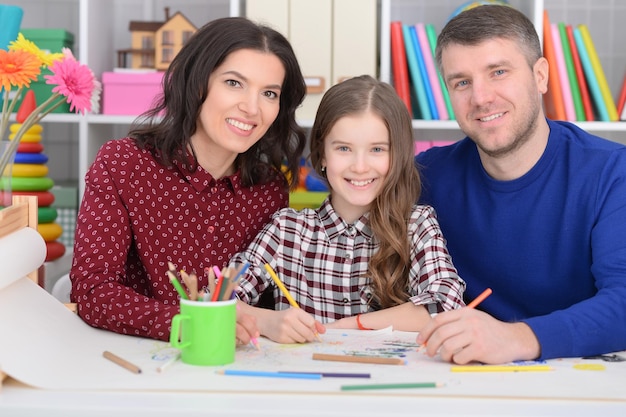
358,359
121,362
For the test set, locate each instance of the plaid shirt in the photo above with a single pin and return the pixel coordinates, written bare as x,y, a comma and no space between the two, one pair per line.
322,261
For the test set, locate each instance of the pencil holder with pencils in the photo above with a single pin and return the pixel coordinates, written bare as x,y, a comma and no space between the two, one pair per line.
204,331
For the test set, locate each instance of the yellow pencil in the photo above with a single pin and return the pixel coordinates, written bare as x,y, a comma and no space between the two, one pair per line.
281,286
501,368
283,289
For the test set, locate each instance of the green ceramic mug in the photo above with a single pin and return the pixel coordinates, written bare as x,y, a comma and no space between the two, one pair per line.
204,331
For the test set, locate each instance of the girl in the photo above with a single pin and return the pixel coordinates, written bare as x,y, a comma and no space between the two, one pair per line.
369,257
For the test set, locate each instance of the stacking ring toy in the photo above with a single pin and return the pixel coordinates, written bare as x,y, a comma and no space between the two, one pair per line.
29,170
28,137
30,158
54,250
29,147
35,129
50,231
31,184
44,198
46,214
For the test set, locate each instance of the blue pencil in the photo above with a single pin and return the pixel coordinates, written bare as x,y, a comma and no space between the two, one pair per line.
240,372
332,374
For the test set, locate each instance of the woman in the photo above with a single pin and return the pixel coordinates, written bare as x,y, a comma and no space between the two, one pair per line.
192,184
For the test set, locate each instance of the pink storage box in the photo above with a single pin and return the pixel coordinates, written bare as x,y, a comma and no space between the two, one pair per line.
129,93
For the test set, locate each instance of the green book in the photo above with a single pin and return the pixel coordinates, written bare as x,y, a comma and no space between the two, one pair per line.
571,74
432,39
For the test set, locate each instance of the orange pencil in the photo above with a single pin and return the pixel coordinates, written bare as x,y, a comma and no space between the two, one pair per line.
480,298
473,304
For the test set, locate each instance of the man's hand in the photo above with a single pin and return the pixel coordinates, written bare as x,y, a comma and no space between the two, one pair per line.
467,335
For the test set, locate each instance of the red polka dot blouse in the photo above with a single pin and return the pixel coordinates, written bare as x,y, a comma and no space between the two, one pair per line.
136,215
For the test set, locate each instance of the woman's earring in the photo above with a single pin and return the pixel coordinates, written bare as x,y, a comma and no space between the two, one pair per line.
323,169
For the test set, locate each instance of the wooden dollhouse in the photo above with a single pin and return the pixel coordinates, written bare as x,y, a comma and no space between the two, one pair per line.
155,44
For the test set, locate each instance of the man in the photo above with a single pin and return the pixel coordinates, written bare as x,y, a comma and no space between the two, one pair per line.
531,208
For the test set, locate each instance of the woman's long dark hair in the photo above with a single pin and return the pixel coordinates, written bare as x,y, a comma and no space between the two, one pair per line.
166,128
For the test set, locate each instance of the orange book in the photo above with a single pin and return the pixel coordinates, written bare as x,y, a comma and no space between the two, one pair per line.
582,83
553,98
399,64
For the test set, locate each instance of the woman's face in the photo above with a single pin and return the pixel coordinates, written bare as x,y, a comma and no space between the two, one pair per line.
243,101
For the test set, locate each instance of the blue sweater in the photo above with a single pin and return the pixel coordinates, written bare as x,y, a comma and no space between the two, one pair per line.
551,244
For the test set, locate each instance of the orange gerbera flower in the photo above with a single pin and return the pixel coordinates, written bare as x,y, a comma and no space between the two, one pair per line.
18,68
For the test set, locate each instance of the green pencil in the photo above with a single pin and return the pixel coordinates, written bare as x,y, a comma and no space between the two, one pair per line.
177,286
391,386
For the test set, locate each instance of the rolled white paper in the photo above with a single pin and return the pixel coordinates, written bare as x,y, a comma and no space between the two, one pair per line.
21,253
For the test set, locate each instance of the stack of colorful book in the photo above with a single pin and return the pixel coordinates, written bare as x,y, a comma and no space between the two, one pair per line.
577,87
416,78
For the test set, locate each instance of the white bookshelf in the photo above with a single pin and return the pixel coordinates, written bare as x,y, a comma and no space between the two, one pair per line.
101,27
594,13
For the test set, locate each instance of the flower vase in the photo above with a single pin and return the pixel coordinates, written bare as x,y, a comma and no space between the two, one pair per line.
5,175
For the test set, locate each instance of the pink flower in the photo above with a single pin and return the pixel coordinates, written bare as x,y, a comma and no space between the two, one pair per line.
73,80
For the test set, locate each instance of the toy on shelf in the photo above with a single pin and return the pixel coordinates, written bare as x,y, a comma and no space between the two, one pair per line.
136,81
29,177
311,190
155,44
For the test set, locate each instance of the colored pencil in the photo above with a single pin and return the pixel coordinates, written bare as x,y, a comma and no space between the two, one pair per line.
333,374
501,368
121,362
480,298
281,286
240,372
392,386
472,304
359,359
177,285
283,289
218,285
168,363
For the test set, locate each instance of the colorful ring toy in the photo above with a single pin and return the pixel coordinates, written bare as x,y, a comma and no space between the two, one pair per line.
46,214
31,184
44,198
54,250
28,137
29,170
36,129
30,158
31,147
50,231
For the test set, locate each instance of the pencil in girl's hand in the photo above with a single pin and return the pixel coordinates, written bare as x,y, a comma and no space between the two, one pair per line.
171,266
281,286
283,289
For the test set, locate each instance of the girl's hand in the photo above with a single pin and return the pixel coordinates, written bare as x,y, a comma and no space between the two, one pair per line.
291,326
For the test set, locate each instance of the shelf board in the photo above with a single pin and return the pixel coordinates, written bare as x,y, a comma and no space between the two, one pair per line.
111,119
57,118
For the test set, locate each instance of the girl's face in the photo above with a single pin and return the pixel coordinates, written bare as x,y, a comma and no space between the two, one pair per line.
356,157
242,103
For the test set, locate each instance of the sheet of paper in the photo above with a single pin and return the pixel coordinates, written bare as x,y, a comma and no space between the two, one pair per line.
20,253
